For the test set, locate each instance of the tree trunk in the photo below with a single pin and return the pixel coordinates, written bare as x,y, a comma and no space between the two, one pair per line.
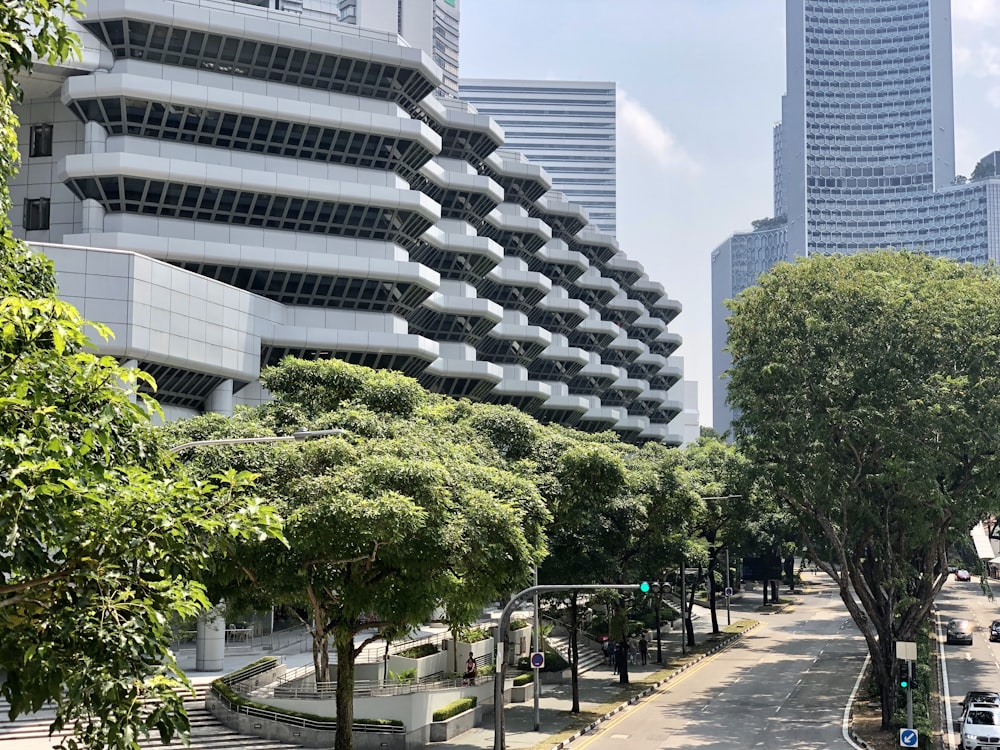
345,692
764,586
713,558
321,656
574,652
688,621
774,591
622,661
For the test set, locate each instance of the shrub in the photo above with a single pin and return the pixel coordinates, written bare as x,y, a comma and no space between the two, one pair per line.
407,675
524,679
518,624
418,652
454,709
554,662
473,635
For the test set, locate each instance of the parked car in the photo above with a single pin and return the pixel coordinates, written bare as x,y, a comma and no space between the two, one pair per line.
963,575
995,630
981,728
959,631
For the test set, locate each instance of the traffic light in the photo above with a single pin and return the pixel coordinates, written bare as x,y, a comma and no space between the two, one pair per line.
907,676
652,587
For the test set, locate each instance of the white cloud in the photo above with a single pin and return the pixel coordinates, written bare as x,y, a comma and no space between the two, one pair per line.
978,11
636,123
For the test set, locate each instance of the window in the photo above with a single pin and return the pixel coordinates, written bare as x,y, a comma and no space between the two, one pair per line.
36,213
41,140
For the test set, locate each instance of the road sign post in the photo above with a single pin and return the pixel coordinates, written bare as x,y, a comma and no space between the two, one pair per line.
499,740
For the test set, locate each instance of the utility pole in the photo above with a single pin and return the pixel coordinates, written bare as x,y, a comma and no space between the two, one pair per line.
499,740
729,588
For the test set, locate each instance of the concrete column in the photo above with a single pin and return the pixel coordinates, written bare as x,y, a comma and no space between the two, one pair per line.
220,400
210,644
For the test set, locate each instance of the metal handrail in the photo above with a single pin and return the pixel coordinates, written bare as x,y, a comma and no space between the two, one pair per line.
375,689
252,670
302,721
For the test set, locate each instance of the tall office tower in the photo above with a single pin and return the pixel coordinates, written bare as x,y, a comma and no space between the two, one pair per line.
566,127
864,154
227,184
430,25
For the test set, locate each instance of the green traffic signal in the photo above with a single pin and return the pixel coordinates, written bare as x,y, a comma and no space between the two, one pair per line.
644,587
904,683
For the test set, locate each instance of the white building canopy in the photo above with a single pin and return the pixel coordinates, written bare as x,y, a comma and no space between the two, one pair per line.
984,548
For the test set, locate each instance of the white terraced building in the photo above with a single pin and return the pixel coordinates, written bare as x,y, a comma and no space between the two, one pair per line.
225,184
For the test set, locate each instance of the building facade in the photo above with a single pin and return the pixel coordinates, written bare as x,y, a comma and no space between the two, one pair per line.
224,184
864,154
566,127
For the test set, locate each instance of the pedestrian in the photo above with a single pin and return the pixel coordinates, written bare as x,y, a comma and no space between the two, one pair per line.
633,650
643,648
615,657
609,651
471,669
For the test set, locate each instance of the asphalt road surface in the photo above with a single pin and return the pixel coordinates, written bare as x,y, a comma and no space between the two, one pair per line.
785,685
975,667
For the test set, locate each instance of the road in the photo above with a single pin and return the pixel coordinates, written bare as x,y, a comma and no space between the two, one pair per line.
784,686
975,667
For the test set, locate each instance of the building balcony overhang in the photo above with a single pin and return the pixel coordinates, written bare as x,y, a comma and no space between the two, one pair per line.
261,44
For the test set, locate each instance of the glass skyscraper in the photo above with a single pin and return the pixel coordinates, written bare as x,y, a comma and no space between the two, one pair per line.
865,151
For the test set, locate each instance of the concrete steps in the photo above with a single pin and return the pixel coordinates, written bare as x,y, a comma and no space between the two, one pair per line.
590,656
32,732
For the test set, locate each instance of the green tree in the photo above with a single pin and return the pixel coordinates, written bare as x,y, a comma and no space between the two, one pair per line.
868,394
723,482
412,509
104,541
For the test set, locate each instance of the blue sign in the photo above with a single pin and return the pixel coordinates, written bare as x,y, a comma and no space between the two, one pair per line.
537,659
908,737
729,590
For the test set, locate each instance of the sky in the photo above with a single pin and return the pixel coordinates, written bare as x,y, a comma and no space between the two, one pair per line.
699,92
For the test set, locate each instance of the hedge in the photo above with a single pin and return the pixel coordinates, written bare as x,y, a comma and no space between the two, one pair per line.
417,652
524,679
454,708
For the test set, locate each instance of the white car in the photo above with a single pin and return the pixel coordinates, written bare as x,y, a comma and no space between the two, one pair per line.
981,729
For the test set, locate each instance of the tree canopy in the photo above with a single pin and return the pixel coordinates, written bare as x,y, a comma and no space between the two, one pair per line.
867,389
414,507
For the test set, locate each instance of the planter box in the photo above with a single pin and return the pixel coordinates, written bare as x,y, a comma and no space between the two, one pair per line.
555,678
426,666
442,731
520,693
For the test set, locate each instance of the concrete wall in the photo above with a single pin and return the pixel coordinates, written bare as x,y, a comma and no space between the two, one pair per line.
256,726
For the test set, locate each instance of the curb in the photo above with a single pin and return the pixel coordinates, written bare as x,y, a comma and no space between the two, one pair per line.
651,689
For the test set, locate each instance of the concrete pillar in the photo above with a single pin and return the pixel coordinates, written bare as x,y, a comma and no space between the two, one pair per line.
220,400
210,643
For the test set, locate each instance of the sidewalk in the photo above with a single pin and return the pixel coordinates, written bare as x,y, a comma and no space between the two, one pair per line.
599,688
